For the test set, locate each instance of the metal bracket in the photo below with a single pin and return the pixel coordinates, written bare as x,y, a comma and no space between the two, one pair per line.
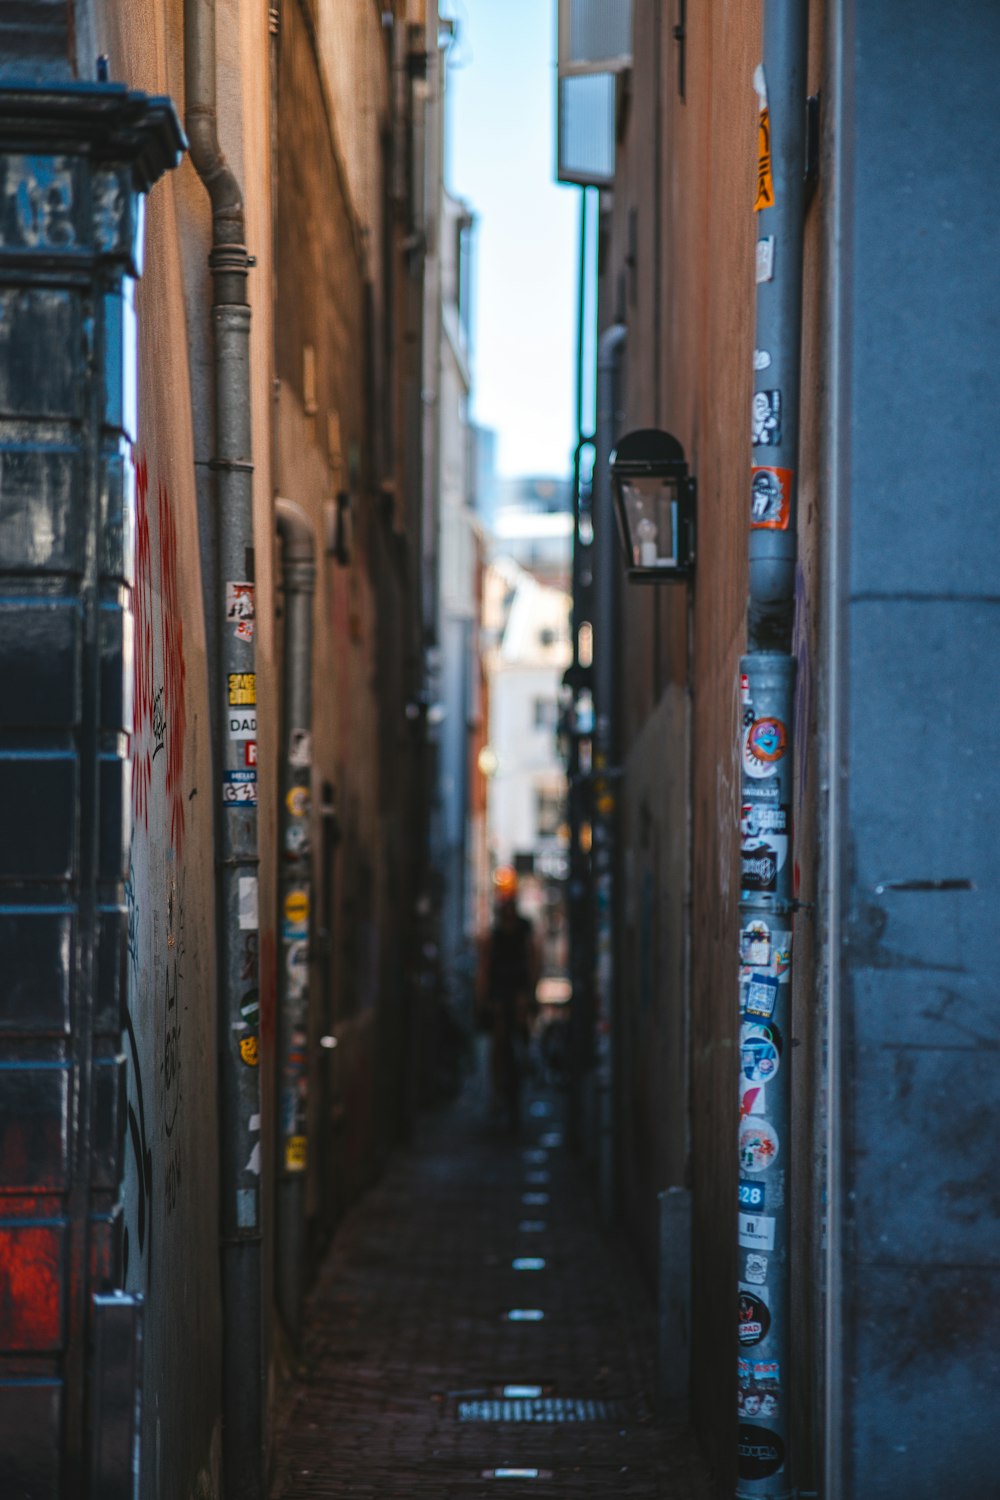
680,37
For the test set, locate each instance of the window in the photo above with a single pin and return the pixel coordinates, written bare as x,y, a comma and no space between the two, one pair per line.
549,812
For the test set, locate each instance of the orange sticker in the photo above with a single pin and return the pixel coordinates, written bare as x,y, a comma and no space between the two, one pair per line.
770,498
765,182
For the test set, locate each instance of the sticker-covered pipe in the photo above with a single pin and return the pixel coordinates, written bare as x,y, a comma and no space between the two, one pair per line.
298,584
767,681
767,687
779,206
236,766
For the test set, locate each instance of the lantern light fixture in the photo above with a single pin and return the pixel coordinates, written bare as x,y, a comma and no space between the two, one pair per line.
655,505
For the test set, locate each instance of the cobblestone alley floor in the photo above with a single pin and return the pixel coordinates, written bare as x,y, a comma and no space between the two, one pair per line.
442,1359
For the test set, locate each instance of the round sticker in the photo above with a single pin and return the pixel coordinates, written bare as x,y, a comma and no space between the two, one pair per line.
297,907
760,1051
297,801
761,1452
765,743
758,1145
754,1319
249,1051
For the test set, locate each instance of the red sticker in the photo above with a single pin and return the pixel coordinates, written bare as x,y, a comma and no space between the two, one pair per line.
250,752
770,499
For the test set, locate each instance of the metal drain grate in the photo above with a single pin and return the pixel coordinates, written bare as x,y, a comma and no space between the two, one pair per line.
541,1409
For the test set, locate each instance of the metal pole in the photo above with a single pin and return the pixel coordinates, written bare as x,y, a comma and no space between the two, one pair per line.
298,582
607,577
236,818
767,684
576,894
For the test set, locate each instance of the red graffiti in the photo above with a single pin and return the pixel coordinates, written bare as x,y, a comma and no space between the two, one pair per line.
160,712
30,1287
142,669
174,669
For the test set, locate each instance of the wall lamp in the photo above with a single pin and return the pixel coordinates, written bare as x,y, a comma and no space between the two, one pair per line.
655,506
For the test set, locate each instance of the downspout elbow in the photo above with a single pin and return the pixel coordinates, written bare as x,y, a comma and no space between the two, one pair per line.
298,547
609,347
228,258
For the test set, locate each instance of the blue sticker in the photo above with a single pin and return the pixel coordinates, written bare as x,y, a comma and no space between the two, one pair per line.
752,1194
762,992
239,788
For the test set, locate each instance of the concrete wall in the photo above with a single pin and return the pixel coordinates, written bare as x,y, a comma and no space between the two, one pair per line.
913,571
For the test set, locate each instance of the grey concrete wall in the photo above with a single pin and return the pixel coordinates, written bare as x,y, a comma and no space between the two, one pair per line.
914,573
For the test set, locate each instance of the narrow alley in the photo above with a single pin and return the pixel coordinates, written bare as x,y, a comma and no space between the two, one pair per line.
471,1325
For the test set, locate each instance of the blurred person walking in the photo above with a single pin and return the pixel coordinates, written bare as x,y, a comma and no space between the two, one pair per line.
508,975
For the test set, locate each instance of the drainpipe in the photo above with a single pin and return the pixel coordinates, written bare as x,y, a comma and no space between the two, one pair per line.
607,578
236,819
298,583
767,685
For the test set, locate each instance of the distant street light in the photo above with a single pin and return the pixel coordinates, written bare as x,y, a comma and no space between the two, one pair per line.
655,505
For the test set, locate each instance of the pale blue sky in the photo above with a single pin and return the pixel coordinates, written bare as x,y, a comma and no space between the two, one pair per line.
500,157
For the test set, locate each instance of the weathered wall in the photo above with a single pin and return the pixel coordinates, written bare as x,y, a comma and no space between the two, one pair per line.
679,271
171,1185
327,328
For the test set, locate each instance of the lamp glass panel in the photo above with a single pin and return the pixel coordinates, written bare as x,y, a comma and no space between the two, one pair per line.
651,511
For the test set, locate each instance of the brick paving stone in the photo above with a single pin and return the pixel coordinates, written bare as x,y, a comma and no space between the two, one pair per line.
408,1320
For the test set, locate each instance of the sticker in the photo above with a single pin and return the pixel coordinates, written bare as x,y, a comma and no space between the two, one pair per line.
756,1232
762,993
758,1148
755,944
765,182
753,1102
295,1153
300,748
296,835
250,1009
756,1268
758,869
297,801
765,426
754,1320
757,821
239,788
242,689
240,609
758,791
760,1051
765,743
765,259
752,1195
249,1051
744,688
242,724
248,903
761,359
751,1402
761,1452
770,498
296,913
783,954
249,752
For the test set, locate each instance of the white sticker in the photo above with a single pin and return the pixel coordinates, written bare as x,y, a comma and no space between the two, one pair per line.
765,261
761,359
248,903
756,1269
300,748
242,723
240,609
756,1232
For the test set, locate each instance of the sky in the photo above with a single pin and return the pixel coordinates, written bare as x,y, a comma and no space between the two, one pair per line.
500,157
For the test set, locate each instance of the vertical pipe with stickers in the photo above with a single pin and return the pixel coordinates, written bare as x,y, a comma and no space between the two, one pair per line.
298,583
236,763
767,686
